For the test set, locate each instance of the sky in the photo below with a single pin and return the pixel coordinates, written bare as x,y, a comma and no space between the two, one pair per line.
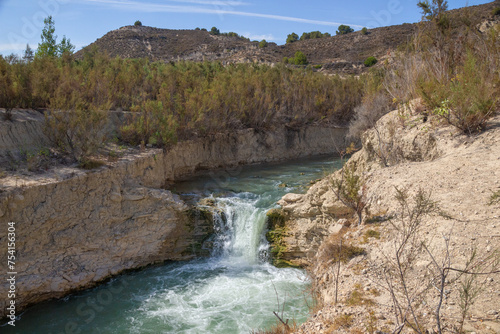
84,21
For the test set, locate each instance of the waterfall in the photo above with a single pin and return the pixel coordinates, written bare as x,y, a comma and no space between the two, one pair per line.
239,230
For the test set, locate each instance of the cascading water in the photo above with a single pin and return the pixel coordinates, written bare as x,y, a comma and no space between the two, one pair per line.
233,291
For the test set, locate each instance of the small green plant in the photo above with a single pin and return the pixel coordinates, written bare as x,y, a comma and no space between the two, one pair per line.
370,61
138,23
364,31
496,11
263,44
495,198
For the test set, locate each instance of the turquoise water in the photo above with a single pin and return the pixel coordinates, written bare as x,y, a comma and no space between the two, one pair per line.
233,291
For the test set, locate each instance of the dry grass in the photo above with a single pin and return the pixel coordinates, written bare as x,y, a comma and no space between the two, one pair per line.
358,297
279,328
332,251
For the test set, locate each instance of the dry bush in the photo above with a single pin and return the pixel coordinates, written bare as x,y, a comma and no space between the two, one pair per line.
367,114
79,133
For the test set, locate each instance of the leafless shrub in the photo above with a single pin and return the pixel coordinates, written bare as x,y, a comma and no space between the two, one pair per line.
79,133
367,114
411,291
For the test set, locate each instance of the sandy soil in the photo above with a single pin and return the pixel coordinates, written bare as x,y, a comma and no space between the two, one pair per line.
461,177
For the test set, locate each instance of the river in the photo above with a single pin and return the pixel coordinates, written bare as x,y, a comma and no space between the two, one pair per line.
235,290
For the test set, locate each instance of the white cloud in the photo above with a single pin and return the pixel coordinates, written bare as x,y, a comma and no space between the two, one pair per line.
152,7
12,47
268,37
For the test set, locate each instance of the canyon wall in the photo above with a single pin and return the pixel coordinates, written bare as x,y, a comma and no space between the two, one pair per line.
73,233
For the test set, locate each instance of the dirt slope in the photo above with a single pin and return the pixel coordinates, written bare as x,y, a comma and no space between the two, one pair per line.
461,173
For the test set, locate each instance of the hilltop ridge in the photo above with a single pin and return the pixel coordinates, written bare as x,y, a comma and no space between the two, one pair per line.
340,53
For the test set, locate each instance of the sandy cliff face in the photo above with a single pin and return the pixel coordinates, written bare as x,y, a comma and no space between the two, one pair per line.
459,172
76,228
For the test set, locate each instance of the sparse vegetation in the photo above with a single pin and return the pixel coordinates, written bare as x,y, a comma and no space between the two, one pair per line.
372,234
496,11
263,44
364,31
138,23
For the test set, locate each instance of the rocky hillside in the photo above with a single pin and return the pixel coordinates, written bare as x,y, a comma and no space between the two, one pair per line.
343,53
459,175
167,44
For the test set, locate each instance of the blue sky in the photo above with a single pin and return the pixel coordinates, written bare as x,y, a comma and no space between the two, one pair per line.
83,21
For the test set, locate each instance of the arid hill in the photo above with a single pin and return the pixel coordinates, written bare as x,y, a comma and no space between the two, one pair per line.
342,53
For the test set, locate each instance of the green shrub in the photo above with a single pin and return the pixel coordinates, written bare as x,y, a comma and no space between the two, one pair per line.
370,61
263,44
138,23
293,37
299,58
214,31
364,31
344,29
496,11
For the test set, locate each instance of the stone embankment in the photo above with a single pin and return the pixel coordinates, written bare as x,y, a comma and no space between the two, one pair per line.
75,228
